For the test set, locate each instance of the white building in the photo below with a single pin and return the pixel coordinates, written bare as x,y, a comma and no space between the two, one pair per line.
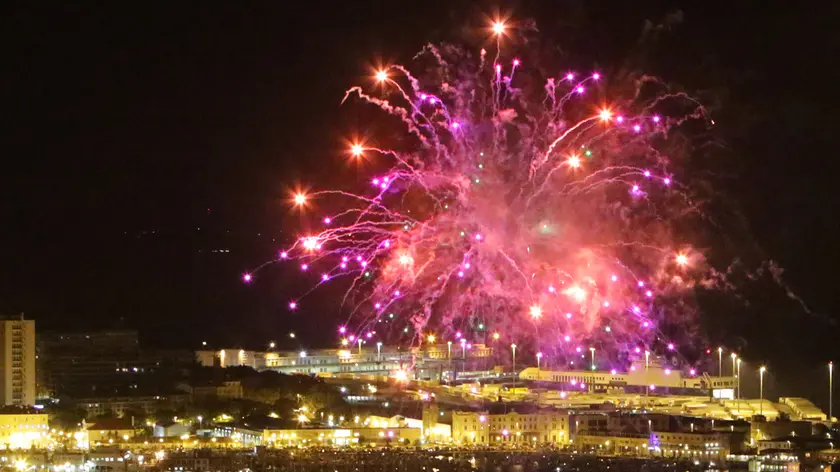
649,375
541,427
430,361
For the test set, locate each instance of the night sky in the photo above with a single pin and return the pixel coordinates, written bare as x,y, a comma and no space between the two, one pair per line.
138,141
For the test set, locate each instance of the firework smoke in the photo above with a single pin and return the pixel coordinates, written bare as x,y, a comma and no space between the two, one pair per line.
519,208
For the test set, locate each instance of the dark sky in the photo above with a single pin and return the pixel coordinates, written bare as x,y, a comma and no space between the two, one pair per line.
138,139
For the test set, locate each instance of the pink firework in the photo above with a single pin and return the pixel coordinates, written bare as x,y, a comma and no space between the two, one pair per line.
536,185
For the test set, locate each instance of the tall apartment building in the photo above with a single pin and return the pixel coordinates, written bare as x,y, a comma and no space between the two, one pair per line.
17,361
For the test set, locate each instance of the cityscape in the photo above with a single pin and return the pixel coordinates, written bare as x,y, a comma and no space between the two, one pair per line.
99,400
447,236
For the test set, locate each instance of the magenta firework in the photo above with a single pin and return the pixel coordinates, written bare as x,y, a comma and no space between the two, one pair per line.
518,206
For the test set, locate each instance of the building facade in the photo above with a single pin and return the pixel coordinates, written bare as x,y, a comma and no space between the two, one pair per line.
648,376
428,362
103,363
482,428
128,406
23,428
17,361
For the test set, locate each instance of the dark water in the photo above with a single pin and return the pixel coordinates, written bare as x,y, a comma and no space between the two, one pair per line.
431,461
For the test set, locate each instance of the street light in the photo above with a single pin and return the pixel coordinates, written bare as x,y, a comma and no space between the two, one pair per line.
199,421
734,357
720,362
449,355
513,348
761,371
360,345
539,358
830,391
379,351
592,352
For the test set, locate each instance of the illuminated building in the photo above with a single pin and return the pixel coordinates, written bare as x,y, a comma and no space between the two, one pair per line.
657,434
433,431
241,436
543,427
22,428
110,430
17,358
702,445
640,377
430,361
170,429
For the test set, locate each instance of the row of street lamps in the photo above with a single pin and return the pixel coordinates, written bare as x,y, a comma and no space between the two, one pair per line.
736,371
736,368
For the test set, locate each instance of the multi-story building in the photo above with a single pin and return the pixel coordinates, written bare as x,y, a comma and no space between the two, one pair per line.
110,430
22,428
655,434
103,363
17,361
432,429
541,427
229,389
130,406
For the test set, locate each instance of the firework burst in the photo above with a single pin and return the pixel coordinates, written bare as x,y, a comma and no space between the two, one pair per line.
539,209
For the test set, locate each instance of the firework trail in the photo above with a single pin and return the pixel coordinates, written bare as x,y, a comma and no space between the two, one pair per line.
519,208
